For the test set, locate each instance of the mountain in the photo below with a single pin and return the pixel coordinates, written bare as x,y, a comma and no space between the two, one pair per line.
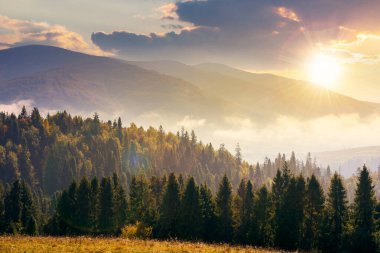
347,161
264,95
55,78
60,79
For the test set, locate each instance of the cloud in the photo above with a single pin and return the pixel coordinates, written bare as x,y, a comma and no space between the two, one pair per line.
16,106
286,134
168,11
16,32
247,32
190,123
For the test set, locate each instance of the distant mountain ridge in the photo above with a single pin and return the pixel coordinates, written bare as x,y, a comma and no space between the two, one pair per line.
61,79
347,161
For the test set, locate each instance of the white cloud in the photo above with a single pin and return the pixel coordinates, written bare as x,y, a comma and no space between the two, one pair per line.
20,32
16,106
191,123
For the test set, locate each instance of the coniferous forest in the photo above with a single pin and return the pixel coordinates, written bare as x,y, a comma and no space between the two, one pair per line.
64,175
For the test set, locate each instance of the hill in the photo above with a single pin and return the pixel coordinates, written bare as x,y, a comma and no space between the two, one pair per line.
347,161
264,96
58,79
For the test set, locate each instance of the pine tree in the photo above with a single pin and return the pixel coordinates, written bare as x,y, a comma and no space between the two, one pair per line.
247,214
83,207
208,215
106,213
364,207
140,202
261,230
238,206
336,218
169,211
94,204
119,203
289,216
314,201
13,207
28,207
224,210
190,216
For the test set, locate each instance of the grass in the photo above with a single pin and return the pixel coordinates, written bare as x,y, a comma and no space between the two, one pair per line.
23,244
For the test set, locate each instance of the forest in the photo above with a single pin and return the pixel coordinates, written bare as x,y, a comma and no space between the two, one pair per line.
64,175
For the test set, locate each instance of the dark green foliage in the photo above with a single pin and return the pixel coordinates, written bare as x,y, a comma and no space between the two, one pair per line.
334,232
94,204
82,218
364,208
314,201
245,212
168,221
289,216
208,215
190,215
20,210
224,210
106,206
261,230
141,203
119,204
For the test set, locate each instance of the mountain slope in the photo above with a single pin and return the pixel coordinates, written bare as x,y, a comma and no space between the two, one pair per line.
347,161
264,95
56,78
60,79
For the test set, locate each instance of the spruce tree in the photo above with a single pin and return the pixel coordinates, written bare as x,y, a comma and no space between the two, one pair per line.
208,215
106,212
119,203
247,215
83,207
190,215
238,211
335,220
169,211
28,206
289,217
314,201
261,229
224,210
364,206
13,207
94,205
140,203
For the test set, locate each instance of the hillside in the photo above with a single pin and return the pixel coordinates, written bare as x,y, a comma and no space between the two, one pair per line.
59,79
264,95
347,161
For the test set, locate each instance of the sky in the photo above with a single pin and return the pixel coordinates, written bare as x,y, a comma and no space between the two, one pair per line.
282,37
334,43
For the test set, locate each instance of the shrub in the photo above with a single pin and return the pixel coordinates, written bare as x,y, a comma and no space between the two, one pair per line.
136,231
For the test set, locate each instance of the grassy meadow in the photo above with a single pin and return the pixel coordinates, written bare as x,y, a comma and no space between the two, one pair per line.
21,244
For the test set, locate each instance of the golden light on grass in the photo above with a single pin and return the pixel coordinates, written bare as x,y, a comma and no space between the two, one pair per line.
324,70
20,244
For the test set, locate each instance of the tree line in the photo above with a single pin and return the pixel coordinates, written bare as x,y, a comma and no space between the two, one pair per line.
293,214
50,152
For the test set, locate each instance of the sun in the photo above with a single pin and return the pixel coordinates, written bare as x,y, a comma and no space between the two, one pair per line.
324,70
